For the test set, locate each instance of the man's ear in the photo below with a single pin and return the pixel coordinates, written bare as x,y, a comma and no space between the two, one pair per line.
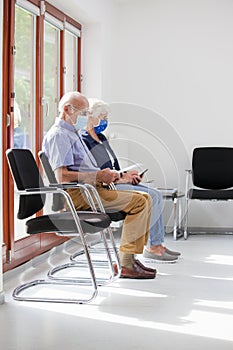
66,109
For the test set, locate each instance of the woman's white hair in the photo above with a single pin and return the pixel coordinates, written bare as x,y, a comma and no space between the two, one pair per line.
98,107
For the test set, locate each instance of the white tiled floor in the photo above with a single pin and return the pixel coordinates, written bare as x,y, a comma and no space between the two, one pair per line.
188,306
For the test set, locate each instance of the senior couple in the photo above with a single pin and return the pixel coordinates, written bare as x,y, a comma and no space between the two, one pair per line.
78,151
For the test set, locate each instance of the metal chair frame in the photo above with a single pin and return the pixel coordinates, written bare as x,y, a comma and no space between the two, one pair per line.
189,174
106,249
94,196
70,281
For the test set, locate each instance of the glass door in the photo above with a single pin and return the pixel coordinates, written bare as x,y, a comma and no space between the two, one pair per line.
51,92
24,88
33,51
71,62
51,74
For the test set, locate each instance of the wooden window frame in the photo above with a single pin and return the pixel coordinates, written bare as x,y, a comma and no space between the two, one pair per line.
26,248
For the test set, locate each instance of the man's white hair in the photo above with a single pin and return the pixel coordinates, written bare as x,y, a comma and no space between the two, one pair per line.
98,107
68,98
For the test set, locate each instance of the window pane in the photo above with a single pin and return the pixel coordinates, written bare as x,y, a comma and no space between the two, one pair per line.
24,86
24,79
71,62
51,74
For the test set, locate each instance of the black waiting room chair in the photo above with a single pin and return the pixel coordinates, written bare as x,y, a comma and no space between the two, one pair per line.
58,202
212,177
33,194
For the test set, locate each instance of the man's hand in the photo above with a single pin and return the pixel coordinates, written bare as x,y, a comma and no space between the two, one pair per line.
131,177
107,176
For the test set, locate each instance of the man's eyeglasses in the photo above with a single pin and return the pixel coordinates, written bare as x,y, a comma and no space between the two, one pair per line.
84,113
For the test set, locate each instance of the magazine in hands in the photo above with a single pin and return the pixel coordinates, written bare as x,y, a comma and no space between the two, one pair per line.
136,166
150,183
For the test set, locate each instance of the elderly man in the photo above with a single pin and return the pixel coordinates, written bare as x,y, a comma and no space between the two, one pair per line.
72,161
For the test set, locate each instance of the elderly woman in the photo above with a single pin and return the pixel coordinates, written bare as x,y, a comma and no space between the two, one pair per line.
106,158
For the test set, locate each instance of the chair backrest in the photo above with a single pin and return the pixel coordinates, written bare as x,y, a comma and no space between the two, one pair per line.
47,167
212,167
58,200
26,175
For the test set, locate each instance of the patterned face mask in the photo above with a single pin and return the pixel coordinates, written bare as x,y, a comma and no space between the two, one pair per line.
101,127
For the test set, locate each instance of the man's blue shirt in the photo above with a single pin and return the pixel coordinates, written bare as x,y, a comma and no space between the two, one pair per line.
64,147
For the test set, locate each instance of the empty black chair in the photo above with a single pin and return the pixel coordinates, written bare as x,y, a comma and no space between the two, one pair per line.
32,198
212,176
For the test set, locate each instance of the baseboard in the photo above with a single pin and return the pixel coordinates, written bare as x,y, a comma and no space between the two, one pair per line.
210,230
200,231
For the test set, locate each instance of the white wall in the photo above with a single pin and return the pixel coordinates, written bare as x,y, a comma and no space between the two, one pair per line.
166,67
175,57
1,228
98,19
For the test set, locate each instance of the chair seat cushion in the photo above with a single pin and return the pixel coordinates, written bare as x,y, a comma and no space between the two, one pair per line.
64,223
210,194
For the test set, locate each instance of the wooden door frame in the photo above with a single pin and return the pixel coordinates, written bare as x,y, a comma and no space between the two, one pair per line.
22,250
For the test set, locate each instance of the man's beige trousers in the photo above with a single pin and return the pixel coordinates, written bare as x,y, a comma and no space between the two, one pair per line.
137,207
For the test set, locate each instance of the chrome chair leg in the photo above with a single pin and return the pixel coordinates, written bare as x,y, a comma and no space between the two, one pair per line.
97,264
186,219
188,174
18,296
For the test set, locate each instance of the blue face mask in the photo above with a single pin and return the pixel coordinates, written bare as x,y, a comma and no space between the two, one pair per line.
81,122
101,127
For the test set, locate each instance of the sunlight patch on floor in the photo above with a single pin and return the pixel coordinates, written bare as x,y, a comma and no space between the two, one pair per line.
220,259
227,305
215,278
197,323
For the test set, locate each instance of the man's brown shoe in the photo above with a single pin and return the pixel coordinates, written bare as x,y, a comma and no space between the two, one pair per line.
149,269
136,273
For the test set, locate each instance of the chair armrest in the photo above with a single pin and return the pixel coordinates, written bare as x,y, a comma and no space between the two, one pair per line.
59,188
90,192
37,190
64,184
96,196
70,185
